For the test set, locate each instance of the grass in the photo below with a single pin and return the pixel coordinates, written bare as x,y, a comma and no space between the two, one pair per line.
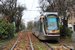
13,38
67,40
15,35
39,46
53,44
1,40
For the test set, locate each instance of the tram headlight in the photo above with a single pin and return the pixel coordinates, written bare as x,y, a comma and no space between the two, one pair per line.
56,34
49,34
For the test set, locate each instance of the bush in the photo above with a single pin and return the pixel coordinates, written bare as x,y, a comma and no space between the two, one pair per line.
61,30
3,30
11,29
6,30
69,34
1,20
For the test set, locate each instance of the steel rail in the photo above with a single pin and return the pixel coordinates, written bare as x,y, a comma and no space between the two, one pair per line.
16,41
66,46
49,46
30,42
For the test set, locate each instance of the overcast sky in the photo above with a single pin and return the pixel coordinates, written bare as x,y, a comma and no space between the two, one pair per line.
31,5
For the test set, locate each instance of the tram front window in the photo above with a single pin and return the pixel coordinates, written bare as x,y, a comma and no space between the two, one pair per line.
51,24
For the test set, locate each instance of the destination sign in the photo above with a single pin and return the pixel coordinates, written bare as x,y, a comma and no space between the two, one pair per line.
52,19
51,16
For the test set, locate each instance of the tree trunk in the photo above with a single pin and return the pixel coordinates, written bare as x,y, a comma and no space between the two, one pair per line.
65,28
17,28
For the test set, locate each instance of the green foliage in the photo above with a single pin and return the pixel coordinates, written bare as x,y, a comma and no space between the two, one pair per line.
61,31
1,20
69,34
3,29
11,29
6,30
30,28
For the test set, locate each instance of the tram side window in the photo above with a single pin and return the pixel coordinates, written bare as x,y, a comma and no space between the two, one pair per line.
40,27
36,25
58,23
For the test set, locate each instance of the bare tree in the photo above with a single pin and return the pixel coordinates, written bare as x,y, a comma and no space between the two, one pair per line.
22,25
30,25
12,11
19,17
9,8
43,4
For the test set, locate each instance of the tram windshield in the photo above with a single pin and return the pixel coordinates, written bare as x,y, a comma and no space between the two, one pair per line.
52,23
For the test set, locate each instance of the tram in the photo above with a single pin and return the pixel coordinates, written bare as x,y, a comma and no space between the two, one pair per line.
46,27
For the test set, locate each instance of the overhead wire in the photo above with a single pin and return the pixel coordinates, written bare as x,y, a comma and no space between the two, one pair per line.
31,7
32,10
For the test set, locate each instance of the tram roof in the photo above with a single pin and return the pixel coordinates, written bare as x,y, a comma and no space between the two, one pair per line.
46,13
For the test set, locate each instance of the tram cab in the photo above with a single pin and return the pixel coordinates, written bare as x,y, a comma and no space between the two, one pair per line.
48,26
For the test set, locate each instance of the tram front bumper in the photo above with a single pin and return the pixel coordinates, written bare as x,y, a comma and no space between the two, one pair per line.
53,35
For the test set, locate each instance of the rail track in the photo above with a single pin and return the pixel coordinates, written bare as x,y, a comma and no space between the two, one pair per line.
49,45
31,45
61,44
65,46
70,48
30,42
16,41
21,34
